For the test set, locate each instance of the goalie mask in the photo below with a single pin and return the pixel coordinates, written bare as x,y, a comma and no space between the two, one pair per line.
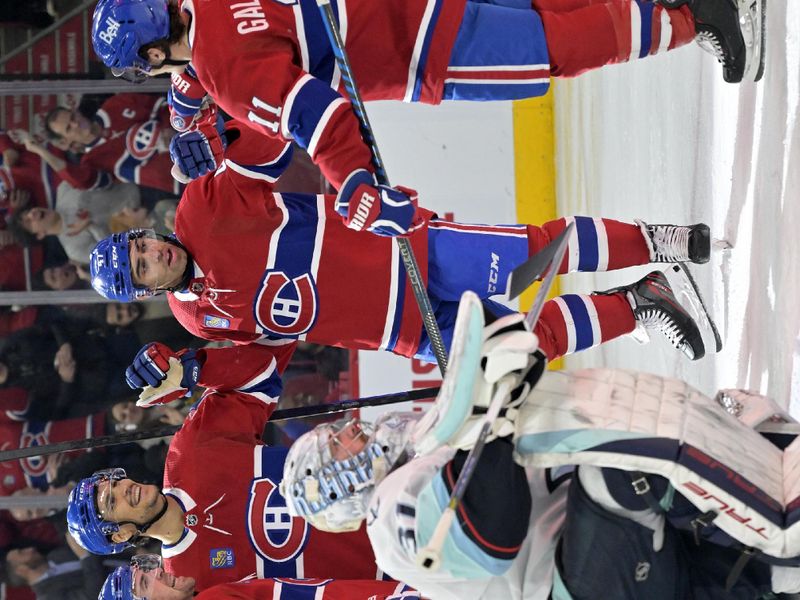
331,471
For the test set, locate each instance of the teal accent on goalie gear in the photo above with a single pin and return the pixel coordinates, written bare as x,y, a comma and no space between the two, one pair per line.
570,440
462,370
559,591
460,556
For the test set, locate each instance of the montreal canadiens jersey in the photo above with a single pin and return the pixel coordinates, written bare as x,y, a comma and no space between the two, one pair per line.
391,526
129,148
30,173
310,589
398,51
271,266
18,433
226,480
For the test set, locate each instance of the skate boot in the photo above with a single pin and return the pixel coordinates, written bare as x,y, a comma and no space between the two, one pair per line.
731,30
656,308
677,243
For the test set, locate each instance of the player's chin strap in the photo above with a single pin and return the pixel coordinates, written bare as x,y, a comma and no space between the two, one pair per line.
141,530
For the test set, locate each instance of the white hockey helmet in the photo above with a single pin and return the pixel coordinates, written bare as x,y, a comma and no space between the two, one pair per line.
331,471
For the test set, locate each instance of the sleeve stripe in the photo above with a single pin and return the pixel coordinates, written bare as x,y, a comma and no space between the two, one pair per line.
260,378
247,171
287,105
323,123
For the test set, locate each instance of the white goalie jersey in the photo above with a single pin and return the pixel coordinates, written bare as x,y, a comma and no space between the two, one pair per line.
404,511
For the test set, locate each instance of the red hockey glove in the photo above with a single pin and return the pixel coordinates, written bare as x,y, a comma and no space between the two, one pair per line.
380,209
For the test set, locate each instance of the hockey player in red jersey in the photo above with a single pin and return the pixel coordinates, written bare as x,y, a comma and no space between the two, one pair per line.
247,264
145,578
218,515
126,140
415,51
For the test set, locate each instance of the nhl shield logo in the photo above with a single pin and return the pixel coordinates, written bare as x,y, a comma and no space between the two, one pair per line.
191,520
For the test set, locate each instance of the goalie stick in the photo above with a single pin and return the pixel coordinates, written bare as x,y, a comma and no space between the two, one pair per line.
429,557
406,253
168,430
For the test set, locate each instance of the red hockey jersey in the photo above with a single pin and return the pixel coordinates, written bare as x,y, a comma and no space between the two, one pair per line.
310,589
398,51
226,480
273,266
130,148
32,472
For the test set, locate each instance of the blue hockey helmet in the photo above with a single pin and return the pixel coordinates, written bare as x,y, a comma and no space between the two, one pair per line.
110,268
119,584
84,522
121,27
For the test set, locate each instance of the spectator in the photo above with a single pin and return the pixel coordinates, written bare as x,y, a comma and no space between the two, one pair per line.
127,139
80,220
66,573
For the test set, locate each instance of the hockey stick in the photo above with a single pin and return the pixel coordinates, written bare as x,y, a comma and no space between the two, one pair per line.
168,430
429,558
406,253
525,275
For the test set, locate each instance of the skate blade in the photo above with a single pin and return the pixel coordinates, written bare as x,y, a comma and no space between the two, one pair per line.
753,23
687,292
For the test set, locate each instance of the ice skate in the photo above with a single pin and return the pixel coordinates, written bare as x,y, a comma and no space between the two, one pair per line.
677,243
656,308
733,31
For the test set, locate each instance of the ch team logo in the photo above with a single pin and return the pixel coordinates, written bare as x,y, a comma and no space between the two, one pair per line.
34,467
275,534
284,306
142,139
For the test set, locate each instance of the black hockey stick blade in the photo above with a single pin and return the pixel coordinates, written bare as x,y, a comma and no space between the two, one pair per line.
562,241
168,430
526,274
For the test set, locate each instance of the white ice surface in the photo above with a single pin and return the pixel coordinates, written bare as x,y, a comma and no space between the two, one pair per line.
668,141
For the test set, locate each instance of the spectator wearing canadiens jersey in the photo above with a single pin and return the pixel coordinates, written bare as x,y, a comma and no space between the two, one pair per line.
415,51
126,140
218,515
145,578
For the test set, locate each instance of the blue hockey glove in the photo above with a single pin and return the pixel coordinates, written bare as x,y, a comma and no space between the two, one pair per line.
151,365
200,150
380,209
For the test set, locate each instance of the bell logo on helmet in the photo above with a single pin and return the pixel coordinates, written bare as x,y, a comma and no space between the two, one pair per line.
110,33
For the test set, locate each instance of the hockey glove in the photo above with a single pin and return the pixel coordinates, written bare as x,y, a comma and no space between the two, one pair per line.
380,209
202,149
185,98
165,375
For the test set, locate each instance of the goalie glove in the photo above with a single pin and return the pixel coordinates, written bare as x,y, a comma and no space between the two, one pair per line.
163,374
380,209
200,150
480,358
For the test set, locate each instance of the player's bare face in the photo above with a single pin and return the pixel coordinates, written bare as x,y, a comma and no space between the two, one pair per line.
127,500
74,128
156,264
350,440
157,584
